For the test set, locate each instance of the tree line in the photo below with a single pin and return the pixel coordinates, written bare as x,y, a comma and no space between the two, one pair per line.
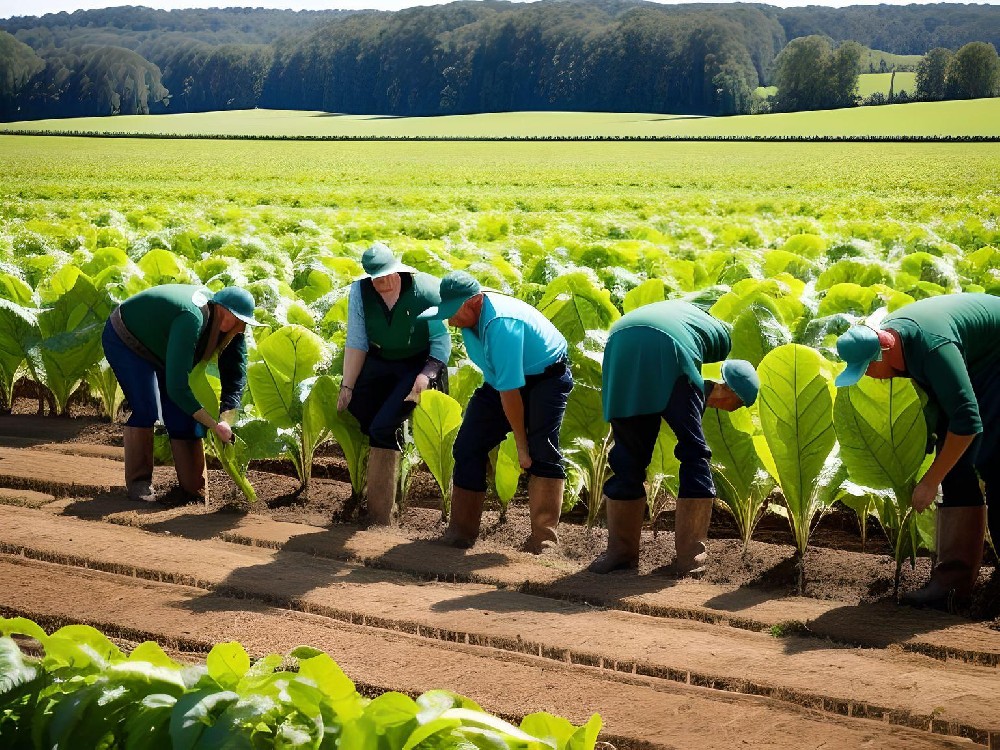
465,57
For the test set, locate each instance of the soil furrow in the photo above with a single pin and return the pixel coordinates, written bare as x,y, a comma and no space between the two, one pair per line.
639,712
899,688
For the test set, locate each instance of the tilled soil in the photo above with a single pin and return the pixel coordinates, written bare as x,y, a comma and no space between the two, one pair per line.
735,659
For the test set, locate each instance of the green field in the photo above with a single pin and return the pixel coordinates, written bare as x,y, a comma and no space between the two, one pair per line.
871,83
876,60
957,118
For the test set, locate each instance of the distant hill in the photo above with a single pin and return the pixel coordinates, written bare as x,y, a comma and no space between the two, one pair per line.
463,57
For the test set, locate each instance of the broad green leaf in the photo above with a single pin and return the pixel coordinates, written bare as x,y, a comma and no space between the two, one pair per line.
796,414
161,266
508,470
18,327
648,292
576,305
13,289
435,426
347,433
283,361
91,639
227,663
756,331
463,383
22,626
151,653
148,725
194,713
13,670
663,472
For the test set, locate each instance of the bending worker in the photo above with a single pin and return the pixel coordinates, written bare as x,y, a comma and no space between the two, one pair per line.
948,346
390,357
652,371
527,384
153,341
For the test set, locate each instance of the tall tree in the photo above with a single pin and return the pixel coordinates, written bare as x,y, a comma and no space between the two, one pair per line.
974,72
932,74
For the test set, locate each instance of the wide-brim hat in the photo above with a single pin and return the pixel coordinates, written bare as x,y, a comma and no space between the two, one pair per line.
457,288
742,378
239,302
858,347
379,261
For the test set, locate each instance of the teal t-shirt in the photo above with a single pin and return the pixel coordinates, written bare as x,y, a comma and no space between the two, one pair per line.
651,347
512,340
950,345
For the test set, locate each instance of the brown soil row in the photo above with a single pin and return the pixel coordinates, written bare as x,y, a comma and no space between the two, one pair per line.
638,712
899,687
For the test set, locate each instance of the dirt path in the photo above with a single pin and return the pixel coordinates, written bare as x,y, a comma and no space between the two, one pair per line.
637,711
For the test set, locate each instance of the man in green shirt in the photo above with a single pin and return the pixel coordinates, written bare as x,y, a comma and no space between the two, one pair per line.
153,341
652,371
949,346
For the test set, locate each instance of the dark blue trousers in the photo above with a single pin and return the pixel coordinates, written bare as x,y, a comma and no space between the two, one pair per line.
145,389
485,426
379,393
635,438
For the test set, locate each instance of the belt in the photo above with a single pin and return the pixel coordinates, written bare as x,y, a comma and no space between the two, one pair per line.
556,369
130,340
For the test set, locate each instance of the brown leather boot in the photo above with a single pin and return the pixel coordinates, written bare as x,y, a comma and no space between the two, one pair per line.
960,536
690,535
624,535
192,472
545,496
139,464
383,479
466,513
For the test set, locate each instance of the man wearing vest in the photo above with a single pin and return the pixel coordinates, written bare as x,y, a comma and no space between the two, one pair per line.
390,357
948,345
152,341
652,371
527,384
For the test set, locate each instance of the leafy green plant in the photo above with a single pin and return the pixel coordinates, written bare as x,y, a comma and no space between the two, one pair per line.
101,378
435,426
18,325
576,305
663,473
507,472
85,692
586,439
883,435
346,431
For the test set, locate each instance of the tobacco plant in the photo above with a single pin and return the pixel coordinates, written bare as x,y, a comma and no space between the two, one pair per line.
435,426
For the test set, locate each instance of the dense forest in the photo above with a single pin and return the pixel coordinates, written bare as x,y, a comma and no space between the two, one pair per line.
493,55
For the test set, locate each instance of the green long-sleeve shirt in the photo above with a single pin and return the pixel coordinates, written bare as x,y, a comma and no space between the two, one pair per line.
950,344
169,321
651,347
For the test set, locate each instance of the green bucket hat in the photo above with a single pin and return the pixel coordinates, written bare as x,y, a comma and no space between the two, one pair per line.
239,302
741,376
858,347
456,288
379,261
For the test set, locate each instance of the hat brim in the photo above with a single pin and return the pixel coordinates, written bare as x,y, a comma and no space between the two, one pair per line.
852,373
248,321
445,310
397,268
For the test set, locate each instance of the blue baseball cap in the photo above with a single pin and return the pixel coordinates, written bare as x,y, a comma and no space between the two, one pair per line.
456,288
742,378
239,302
858,347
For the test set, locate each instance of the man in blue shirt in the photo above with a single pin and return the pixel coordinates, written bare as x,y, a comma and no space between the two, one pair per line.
527,384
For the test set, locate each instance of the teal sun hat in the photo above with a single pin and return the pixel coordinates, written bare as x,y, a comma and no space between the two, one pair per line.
741,376
858,347
379,261
239,302
456,288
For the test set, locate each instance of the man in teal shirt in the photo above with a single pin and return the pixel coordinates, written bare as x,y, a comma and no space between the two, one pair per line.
652,371
949,346
527,384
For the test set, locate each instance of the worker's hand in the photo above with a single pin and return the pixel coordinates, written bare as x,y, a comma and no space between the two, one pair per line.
223,431
228,416
344,398
523,457
923,495
421,384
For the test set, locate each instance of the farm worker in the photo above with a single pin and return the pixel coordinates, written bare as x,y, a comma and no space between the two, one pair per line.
390,357
652,371
152,341
527,384
948,346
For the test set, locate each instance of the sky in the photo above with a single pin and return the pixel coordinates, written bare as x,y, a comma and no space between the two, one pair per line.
10,8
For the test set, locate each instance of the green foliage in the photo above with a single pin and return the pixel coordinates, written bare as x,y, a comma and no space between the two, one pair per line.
435,426
585,439
84,692
508,471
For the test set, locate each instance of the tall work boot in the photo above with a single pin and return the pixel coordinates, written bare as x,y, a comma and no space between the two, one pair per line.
624,535
545,496
383,479
960,535
466,514
192,472
690,535
139,464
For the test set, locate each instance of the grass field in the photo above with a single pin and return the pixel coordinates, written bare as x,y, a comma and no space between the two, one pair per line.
957,118
871,83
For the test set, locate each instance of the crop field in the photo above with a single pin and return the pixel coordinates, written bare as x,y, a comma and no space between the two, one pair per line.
871,83
792,638
979,117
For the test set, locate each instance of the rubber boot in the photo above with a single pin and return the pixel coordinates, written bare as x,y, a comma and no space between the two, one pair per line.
960,536
624,535
545,496
192,472
139,464
466,513
690,535
383,479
